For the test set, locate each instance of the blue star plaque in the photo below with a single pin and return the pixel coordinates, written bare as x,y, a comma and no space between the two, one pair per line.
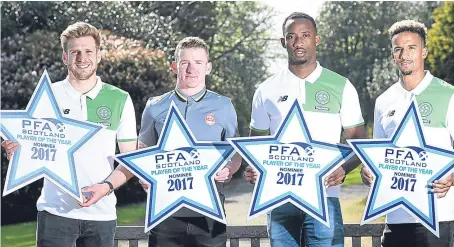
47,141
403,167
291,167
180,171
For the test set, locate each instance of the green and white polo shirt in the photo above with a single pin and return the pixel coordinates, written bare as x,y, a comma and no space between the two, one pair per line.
112,108
436,106
330,103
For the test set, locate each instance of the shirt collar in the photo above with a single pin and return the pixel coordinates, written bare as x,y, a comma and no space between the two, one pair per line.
421,85
196,97
75,94
313,77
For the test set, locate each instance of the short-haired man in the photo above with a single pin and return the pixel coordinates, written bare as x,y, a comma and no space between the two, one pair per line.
330,103
62,222
196,103
436,104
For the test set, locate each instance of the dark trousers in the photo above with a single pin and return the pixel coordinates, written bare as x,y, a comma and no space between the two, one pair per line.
56,231
416,235
188,232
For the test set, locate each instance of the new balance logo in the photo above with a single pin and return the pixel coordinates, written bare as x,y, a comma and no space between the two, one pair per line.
391,113
282,98
66,111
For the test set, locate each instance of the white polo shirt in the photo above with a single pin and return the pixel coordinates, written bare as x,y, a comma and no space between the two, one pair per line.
436,106
330,103
112,108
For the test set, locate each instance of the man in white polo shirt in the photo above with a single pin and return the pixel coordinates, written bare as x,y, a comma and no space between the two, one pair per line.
330,103
62,222
436,106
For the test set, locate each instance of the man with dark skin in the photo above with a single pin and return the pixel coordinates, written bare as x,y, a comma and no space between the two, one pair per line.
330,103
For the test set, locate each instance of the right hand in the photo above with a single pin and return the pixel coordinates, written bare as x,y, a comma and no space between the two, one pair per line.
10,148
250,175
145,186
366,176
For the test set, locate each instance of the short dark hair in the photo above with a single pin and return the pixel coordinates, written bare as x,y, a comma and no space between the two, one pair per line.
409,26
299,15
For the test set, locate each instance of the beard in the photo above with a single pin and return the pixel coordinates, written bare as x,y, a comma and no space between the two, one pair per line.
82,74
298,62
406,72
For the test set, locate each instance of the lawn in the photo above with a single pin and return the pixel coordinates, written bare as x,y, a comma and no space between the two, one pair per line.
23,235
354,177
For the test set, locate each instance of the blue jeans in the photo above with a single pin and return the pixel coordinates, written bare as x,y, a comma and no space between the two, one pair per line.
56,231
288,226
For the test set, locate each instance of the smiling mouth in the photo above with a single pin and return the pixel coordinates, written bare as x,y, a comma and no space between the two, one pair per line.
83,66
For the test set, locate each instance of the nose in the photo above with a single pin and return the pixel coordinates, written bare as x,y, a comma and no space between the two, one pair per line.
189,68
405,54
81,56
298,42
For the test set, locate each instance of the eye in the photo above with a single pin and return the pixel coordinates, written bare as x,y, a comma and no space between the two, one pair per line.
397,50
290,36
306,35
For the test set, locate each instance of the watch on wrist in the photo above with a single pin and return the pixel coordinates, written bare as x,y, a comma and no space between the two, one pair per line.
111,188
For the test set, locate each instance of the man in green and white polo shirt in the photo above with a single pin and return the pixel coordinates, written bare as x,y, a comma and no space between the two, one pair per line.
62,222
436,105
330,104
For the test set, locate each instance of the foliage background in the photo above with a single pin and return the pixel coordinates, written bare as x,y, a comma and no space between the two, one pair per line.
139,40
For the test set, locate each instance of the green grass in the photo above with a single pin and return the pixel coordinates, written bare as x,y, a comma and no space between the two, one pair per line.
23,235
19,235
131,215
354,177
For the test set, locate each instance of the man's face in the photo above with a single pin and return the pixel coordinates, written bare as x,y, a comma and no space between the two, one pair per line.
82,57
191,67
408,52
300,40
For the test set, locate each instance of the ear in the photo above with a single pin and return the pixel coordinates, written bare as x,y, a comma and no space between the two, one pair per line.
283,43
209,68
424,52
174,67
392,56
317,40
64,58
98,56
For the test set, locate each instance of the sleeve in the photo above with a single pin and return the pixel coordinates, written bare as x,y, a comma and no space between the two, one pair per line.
350,112
147,133
260,120
127,131
379,132
450,118
231,123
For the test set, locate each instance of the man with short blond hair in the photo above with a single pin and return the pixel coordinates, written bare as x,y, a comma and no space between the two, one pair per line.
196,103
62,222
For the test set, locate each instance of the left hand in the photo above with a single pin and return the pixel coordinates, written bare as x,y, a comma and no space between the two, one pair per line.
441,187
335,178
223,176
96,191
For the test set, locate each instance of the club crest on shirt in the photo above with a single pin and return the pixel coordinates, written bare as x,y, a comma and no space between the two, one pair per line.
425,109
104,112
210,119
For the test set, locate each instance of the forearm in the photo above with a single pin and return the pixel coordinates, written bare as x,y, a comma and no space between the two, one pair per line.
235,163
351,164
119,176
